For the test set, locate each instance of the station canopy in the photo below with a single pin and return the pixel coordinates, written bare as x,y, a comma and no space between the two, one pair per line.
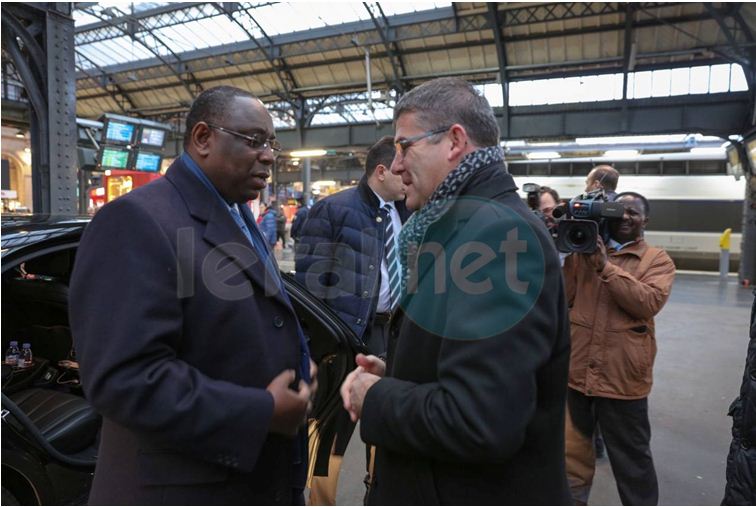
307,60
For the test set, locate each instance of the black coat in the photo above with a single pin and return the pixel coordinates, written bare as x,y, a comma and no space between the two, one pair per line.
741,460
475,421
340,251
177,341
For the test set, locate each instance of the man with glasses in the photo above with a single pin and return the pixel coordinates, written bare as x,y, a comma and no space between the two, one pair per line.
188,345
469,406
347,256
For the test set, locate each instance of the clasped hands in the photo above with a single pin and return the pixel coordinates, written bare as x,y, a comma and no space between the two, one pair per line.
291,407
369,370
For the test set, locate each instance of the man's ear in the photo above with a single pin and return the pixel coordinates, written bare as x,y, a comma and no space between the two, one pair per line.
200,139
459,142
380,172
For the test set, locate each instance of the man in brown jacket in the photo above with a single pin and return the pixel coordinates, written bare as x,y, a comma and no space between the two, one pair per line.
614,294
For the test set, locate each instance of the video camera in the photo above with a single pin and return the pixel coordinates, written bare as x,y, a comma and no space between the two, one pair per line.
583,219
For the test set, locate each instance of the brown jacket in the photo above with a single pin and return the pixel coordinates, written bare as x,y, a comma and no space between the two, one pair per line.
612,319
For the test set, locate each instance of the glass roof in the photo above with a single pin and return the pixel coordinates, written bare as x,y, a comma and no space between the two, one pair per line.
171,34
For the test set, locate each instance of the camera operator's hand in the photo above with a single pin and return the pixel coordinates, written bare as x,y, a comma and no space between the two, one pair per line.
599,258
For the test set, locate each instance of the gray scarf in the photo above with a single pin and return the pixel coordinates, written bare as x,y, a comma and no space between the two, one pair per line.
413,232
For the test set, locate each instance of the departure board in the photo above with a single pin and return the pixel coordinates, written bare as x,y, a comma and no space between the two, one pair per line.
118,132
152,137
147,162
114,158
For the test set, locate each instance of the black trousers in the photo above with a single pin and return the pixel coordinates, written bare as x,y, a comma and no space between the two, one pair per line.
627,436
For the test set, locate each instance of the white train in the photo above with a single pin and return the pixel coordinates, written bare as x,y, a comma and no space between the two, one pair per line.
688,213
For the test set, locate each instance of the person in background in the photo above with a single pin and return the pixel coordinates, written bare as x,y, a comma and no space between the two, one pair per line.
741,460
548,199
297,221
187,343
281,225
603,177
267,223
347,257
614,293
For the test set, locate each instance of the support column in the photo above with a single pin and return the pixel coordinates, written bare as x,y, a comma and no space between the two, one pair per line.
501,53
306,176
747,271
45,62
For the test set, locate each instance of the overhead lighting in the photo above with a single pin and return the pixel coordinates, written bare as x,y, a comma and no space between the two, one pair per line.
621,153
21,134
323,183
540,155
308,153
708,151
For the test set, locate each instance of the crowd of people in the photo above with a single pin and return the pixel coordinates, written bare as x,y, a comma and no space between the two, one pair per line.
492,360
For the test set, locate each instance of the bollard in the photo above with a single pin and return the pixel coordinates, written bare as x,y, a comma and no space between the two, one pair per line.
724,254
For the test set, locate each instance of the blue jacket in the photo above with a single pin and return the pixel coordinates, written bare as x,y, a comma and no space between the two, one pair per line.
268,226
340,250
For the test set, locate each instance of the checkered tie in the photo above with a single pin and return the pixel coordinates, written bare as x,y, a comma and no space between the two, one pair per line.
392,259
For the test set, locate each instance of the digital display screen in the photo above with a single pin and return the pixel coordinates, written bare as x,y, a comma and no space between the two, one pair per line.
119,132
152,137
147,162
114,158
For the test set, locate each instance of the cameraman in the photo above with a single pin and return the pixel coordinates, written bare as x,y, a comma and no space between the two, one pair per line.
614,294
548,199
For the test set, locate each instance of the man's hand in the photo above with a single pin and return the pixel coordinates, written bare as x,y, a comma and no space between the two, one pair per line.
290,407
371,364
598,258
369,370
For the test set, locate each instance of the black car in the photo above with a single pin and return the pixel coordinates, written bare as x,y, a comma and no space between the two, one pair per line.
50,433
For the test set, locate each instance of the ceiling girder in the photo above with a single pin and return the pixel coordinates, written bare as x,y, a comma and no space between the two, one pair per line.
104,83
392,49
132,34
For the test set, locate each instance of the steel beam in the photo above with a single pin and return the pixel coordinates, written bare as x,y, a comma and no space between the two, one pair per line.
45,63
738,55
392,49
106,78
132,35
501,54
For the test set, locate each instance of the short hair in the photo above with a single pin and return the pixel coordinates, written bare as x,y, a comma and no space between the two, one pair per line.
381,152
636,195
212,106
548,190
448,100
607,175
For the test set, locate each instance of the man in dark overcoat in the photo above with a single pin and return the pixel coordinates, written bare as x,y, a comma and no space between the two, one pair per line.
469,407
187,343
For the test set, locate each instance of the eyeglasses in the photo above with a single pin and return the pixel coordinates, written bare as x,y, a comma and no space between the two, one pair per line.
255,141
402,145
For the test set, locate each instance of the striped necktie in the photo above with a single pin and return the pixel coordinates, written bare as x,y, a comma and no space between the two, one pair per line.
392,259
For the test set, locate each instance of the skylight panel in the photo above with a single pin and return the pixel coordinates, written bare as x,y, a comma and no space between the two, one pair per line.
699,79
719,78
738,81
392,8
114,51
661,81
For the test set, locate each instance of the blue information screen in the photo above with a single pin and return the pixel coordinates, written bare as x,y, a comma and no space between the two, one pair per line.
119,132
147,162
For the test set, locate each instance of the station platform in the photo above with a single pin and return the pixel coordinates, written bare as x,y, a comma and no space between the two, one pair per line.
702,336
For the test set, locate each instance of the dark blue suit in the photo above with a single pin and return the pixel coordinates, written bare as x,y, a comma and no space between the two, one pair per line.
179,328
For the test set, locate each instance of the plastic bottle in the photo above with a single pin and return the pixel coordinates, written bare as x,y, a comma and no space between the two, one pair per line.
26,358
12,354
